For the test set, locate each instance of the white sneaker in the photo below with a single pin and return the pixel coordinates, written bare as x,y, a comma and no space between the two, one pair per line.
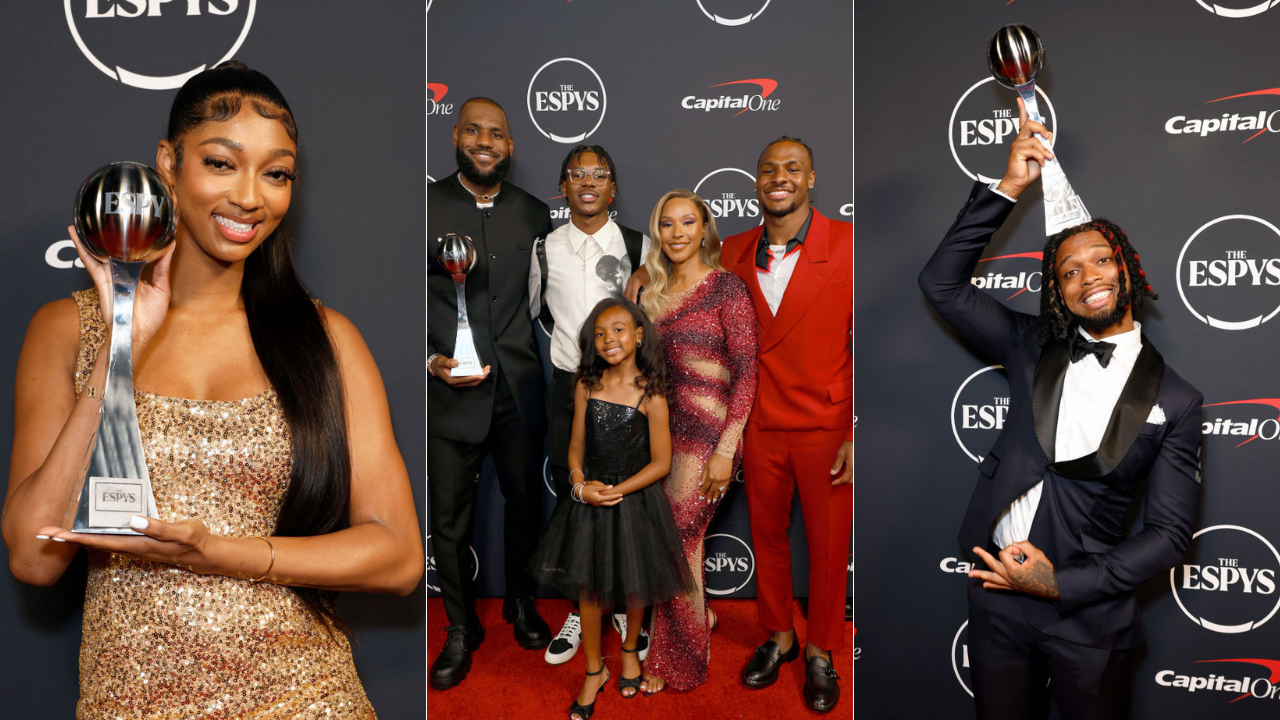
642,642
565,644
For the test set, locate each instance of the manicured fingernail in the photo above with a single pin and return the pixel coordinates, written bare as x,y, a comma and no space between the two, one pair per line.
42,537
57,539
137,522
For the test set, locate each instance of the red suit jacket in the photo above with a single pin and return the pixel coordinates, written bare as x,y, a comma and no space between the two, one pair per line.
806,360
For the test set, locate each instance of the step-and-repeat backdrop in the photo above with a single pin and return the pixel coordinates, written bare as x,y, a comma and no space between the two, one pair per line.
683,94
88,82
1166,116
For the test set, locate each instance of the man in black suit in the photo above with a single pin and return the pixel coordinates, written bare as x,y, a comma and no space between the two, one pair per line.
499,412
1088,422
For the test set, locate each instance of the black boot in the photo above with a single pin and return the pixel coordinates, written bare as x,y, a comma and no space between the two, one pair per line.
454,661
531,631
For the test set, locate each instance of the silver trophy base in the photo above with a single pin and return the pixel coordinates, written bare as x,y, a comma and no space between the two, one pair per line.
464,352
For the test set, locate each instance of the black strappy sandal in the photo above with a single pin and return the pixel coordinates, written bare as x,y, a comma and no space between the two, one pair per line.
584,712
632,684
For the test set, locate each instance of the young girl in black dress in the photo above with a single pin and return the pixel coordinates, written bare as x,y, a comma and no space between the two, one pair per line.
617,545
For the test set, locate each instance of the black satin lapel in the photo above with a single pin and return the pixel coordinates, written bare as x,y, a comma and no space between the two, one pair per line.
1131,412
1046,393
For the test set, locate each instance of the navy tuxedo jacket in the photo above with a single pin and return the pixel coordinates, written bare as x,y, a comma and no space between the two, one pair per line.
1080,522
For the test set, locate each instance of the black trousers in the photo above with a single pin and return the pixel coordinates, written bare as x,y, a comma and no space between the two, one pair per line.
559,430
1016,668
453,474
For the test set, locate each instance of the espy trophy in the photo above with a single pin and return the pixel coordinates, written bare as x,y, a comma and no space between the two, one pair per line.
457,255
1015,56
124,214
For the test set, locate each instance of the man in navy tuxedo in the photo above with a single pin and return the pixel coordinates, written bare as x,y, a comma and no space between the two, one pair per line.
1093,413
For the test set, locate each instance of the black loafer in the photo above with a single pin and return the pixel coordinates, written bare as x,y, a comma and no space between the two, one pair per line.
531,631
821,689
762,669
454,661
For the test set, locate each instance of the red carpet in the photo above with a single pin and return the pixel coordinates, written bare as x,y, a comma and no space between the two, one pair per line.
509,683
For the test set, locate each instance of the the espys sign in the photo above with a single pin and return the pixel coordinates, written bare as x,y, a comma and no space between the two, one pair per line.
158,44
1238,8
433,580
978,411
733,11
566,100
1228,272
728,562
1227,582
983,123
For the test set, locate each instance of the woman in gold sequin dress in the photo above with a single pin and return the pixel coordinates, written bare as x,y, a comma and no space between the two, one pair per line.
267,436
707,325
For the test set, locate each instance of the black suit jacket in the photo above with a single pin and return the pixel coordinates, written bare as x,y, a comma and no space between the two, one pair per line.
1080,522
497,307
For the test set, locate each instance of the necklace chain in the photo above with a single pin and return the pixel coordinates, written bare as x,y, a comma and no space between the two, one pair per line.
482,201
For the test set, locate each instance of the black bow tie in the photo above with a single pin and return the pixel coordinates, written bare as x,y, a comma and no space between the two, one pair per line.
1081,347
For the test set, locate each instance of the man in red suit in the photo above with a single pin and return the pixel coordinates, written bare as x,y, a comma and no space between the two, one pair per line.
799,268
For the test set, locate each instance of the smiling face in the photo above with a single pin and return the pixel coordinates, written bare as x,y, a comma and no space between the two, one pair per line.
680,229
483,143
590,197
234,185
783,178
1088,275
616,335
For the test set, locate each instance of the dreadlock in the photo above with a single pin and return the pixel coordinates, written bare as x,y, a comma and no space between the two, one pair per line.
1055,319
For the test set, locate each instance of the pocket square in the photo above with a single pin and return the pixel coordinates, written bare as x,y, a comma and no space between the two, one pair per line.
1157,415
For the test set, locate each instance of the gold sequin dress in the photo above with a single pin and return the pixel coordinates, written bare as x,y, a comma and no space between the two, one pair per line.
163,643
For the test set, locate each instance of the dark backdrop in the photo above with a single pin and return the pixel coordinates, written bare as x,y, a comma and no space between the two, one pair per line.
1126,80
353,74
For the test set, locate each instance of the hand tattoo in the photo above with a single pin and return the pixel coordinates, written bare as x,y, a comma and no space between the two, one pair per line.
1035,578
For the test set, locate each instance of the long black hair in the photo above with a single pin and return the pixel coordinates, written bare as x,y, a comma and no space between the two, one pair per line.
288,333
1055,319
650,359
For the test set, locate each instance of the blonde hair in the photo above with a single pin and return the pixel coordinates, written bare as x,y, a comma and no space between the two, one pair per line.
656,293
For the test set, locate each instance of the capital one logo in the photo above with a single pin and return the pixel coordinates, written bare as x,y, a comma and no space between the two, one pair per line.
566,100
1238,8
158,44
1007,277
1243,425
1227,582
756,102
736,12
983,123
731,194
728,562
433,580
1229,272
435,99
1246,682
1258,115
978,411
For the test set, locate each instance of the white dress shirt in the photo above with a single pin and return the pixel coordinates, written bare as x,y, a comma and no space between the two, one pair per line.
582,270
1089,395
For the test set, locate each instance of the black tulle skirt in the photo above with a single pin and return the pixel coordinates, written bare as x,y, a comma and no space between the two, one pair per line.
627,555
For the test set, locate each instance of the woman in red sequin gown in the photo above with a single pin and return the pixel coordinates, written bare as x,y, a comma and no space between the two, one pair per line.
707,325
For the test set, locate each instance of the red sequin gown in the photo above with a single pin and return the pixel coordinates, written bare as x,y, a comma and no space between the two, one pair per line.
709,336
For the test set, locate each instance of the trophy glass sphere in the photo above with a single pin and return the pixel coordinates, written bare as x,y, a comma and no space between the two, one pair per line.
125,212
1015,56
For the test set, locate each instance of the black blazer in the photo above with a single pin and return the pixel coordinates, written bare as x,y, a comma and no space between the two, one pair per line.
1080,522
497,307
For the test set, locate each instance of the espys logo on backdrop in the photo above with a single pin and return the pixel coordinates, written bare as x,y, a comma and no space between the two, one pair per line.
759,102
713,8
1244,429
982,123
1262,117
433,581
1229,575
158,44
728,562
435,99
978,411
731,194
1262,688
960,656
566,100
1232,272
1239,8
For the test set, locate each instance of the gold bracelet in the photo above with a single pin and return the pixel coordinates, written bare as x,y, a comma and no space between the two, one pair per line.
263,576
92,393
